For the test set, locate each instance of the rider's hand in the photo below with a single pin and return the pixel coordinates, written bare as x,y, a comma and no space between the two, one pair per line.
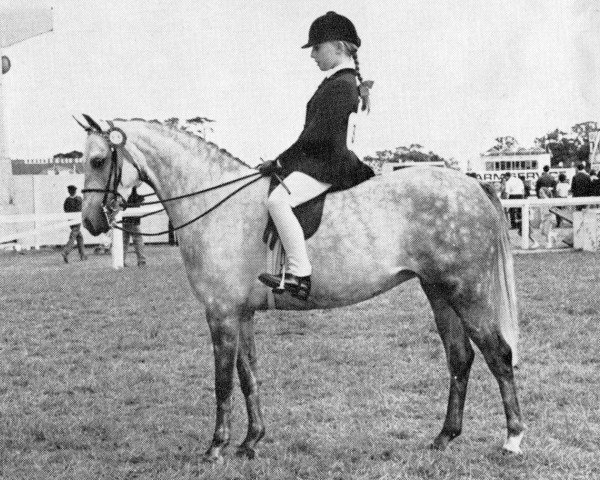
269,167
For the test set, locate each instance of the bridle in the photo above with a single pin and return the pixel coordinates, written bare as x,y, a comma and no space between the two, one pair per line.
116,140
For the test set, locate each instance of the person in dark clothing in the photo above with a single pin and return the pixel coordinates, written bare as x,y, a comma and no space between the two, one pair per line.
131,230
580,184
73,204
545,180
594,184
562,191
320,159
514,189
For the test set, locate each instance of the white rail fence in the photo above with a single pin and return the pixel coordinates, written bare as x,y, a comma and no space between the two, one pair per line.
59,221
62,220
527,203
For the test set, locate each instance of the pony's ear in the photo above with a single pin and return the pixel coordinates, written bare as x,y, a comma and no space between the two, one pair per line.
87,129
91,122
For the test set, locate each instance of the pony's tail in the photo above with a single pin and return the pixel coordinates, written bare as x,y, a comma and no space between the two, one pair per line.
503,285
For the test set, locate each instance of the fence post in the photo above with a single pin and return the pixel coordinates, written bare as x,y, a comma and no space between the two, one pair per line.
525,225
117,245
36,199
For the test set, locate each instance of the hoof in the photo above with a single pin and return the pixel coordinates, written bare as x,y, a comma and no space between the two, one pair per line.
244,451
513,444
440,443
213,456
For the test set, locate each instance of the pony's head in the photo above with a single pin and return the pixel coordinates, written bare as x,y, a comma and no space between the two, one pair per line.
112,170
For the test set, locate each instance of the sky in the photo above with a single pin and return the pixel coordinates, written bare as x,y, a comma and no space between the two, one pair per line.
451,76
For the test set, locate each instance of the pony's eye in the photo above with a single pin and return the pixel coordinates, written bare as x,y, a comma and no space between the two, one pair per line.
97,162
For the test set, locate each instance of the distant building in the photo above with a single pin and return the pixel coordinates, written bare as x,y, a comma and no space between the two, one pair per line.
47,166
527,163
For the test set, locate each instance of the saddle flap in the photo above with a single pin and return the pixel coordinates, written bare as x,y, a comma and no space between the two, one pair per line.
309,215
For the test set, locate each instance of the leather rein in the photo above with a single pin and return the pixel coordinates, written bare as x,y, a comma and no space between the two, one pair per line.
116,139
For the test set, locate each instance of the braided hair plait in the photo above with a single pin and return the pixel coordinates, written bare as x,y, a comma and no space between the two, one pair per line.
364,85
355,58
363,90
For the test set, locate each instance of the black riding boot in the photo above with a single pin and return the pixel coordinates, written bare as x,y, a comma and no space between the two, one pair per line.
298,287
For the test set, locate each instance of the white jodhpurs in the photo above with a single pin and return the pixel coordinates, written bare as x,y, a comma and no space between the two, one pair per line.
280,204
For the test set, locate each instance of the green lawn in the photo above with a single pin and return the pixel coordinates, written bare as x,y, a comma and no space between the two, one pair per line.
109,374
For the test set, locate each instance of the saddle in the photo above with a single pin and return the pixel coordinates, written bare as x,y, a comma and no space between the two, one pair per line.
309,215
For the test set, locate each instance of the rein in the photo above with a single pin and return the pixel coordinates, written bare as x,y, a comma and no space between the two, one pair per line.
189,222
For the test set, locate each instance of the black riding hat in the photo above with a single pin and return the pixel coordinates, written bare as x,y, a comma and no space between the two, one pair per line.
332,26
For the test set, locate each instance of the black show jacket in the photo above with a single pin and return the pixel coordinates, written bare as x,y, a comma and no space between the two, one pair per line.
321,149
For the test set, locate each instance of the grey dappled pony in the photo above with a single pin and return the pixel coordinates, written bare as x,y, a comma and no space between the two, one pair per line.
434,224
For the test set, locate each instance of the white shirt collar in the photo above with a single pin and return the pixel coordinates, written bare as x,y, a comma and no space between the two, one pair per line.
341,66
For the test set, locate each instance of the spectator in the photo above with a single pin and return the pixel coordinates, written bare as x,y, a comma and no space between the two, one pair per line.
502,186
580,185
545,180
562,191
546,218
131,230
562,187
527,186
515,189
73,204
594,184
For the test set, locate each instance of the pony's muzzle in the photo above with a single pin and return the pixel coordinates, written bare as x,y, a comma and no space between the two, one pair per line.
96,230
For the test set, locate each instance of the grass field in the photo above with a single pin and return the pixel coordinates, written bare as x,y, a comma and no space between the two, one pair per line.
109,374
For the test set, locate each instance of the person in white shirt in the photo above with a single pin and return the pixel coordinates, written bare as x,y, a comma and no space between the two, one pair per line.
514,189
562,187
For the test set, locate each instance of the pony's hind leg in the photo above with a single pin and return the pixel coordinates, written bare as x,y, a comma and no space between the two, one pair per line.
498,356
249,383
459,356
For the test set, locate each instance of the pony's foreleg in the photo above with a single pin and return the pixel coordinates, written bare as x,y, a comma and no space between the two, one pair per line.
249,383
459,356
497,354
224,332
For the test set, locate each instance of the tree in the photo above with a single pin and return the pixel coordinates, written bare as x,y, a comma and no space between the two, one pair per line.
73,154
195,125
568,149
583,129
506,143
412,153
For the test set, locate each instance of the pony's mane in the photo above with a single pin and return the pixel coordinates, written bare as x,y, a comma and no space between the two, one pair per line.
195,140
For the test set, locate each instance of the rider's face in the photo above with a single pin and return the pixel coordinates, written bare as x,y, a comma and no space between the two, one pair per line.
327,55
